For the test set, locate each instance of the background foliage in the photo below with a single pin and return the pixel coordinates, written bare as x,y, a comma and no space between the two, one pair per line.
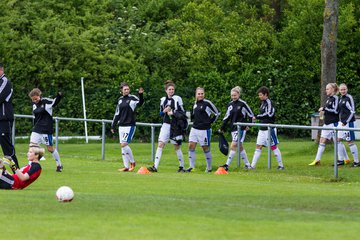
217,44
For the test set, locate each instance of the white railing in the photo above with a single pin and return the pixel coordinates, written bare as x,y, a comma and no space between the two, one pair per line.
103,136
153,125
270,126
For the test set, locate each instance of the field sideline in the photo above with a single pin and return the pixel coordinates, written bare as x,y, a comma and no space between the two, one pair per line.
301,202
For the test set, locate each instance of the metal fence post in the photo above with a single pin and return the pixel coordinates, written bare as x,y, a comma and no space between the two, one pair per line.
13,133
336,172
269,147
152,143
57,132
103,140
238,145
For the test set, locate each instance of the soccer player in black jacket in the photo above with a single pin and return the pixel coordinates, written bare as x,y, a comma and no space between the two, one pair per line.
203,115
124,117
173,115
43,123
237,111
331,119
266,115
6,116
347,119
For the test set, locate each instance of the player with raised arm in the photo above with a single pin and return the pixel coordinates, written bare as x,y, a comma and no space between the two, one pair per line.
266,115
173,122
237,111
203,115
43,123
124,118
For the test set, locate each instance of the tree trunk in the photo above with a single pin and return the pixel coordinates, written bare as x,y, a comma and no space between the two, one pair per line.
328,47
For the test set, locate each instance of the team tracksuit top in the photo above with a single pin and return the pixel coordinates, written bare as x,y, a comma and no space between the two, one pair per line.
331,109
43,121
6,107
176,104
237,111
267,113
347,109
204,114
125,110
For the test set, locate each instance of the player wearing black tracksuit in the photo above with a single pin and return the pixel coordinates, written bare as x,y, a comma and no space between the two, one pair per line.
203,115
125,110
347,119
6,116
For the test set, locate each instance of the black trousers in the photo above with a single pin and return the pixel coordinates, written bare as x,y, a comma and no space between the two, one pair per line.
5,140
6,181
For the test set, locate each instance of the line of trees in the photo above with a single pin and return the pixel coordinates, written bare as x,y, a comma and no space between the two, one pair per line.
217,44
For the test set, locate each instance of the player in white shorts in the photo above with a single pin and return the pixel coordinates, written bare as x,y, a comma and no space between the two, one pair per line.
124,117
203,115
331,118
347,120
43,123
172,112
237,111
266,115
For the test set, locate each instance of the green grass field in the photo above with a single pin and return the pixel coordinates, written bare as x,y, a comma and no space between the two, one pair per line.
301,202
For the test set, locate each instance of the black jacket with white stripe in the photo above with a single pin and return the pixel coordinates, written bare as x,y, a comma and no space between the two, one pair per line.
6,107
204,114
125,110
43,121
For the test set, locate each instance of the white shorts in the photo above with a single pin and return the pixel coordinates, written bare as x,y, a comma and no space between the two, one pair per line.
234,136
39,138
262,138
346,135
202,137
164,135
328,134
126,134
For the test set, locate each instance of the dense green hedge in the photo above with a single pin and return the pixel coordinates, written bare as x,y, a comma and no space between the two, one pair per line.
216,44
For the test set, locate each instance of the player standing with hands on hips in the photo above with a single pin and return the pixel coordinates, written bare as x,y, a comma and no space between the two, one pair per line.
171,110
43,123
266,115
347,120
237,111
203,115
124,117
6,116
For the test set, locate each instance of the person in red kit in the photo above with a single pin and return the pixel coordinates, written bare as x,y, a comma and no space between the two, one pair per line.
22,177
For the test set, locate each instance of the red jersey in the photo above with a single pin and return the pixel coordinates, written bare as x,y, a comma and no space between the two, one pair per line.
33,169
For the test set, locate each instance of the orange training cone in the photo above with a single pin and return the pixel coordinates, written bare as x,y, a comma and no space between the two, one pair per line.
143,170
221,170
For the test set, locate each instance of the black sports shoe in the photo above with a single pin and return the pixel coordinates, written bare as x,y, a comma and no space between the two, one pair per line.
152,169
247,167
280,168
226,167
181,169
355,164
189,169
208,170
59,168
340,163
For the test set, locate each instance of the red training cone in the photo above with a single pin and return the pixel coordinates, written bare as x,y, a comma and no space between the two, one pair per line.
143,170
221,170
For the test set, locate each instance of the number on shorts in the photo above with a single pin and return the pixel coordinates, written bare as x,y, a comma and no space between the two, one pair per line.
125,136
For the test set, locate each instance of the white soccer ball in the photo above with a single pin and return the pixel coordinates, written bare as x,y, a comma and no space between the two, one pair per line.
64,194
